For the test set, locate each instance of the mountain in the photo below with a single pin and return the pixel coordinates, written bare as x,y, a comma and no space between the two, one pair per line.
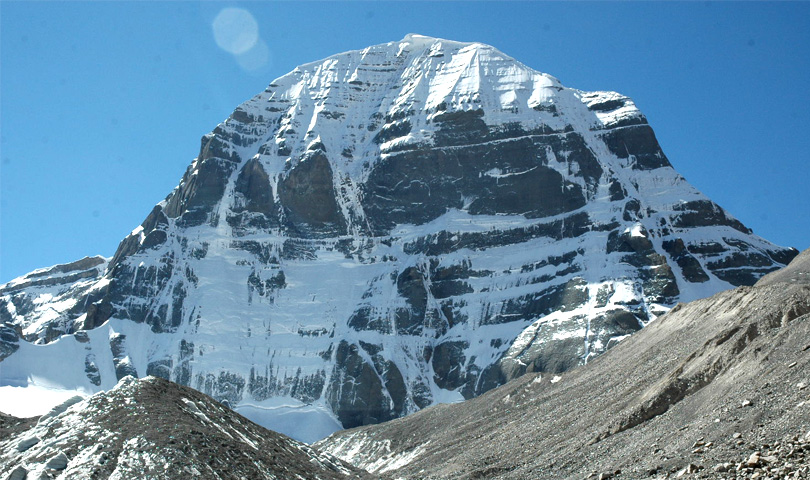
153,428
716,388
412,223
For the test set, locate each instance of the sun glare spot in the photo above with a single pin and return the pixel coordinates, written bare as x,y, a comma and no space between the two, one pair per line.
255,58
235,30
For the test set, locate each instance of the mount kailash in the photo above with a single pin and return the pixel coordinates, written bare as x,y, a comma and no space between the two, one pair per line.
389,228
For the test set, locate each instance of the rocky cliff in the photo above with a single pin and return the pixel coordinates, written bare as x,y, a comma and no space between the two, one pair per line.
412,223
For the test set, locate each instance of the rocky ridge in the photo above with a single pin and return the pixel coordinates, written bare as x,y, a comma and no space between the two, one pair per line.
151,429
716,388
386,229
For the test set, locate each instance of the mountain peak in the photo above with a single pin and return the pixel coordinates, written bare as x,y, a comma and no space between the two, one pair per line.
418,37
417,40
385,229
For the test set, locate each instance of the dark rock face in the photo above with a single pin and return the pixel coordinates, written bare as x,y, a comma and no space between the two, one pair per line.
254,185
204,182
356,390
9,341
690,266
365,242
507,178
263,385
638,251
549,353
308,197
705,213
254,207
448,362
59,274
123,366
795,273
640,142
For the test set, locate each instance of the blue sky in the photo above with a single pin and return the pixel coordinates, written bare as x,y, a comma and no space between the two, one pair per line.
102,104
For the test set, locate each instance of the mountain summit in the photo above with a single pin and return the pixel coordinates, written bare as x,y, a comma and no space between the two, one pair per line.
385,229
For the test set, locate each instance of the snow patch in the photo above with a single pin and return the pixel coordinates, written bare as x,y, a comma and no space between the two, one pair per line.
33,400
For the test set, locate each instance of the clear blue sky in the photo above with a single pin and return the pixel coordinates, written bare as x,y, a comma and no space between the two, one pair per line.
102,104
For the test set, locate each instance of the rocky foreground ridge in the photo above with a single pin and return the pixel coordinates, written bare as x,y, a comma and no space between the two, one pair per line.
415,222
716,388
154,429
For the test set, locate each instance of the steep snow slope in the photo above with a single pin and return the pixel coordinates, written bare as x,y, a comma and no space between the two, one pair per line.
412,223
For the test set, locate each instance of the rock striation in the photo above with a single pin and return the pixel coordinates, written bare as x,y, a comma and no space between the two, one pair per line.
386,229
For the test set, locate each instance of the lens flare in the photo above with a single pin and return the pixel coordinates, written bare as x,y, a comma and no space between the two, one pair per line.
235,30
256,58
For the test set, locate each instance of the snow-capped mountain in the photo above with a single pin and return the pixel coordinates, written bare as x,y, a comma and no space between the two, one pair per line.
412,223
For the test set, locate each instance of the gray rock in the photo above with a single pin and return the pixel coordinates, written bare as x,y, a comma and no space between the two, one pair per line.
58,462
19,473
27,443
448,362
797,272
203,184
123,366
61,408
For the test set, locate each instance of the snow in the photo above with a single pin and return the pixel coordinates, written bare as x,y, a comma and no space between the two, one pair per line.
306,423
637,230
33,400
289,333
387,464
372,455
195,410
51,293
